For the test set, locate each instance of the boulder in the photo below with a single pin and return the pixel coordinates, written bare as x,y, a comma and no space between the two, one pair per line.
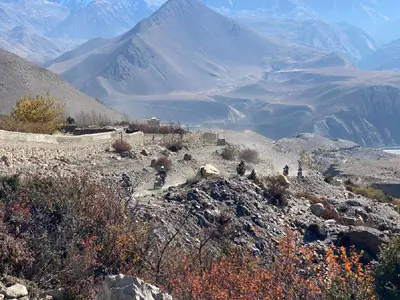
16,291
207,171
121,287
315,232
317,209
363,238
352,221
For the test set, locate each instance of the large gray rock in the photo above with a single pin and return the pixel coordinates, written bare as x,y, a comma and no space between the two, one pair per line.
317,209
363,238
16,291
120,287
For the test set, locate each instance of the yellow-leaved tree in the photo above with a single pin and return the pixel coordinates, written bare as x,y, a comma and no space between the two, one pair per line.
39,114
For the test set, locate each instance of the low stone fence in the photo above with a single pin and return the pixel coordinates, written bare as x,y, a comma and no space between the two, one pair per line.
135,139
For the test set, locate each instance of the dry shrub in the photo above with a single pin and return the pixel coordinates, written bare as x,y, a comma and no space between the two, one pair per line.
92,119
276,188
330,212
162,129
396,202
121,146
228,153
75,230
250,155
328,178
292,275
163,161
35,115
14,254
174,145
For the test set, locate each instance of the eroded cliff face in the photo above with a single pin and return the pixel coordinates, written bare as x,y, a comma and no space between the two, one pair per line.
367,115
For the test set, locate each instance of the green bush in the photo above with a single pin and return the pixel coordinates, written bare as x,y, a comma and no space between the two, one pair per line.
370,193
35,115
387,274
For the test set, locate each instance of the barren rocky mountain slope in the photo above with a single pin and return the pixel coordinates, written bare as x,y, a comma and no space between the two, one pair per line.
20,78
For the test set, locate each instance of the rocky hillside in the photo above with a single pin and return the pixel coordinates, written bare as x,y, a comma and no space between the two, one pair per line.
19,78
219,213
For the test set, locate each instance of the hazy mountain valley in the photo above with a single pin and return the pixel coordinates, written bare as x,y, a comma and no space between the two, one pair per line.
276,67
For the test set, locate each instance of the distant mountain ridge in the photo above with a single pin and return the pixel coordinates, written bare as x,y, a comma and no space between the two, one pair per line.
386,57
71,22
106,18
369,15
184,46
352,41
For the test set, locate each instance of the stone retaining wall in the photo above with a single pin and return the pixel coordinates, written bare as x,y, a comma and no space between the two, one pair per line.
135,139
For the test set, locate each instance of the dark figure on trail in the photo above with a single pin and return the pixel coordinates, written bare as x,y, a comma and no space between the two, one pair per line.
162,173
252,176
241,168
286,170
300,172
126,182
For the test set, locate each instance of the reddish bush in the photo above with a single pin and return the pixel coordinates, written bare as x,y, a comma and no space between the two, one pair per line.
121,146
293,275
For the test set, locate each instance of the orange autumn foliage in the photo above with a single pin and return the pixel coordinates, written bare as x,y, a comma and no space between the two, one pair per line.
295,273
